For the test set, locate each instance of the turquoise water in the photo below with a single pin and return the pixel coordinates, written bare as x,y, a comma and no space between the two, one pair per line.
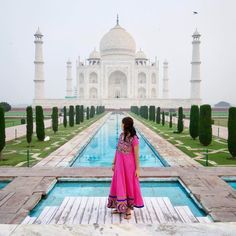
101,149
171,189
3,184
232,184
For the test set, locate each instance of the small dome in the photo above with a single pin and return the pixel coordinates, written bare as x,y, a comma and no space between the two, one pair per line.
140,55
117,41
94,55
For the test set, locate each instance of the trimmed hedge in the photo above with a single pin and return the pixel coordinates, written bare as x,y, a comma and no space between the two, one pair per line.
170,121
40,129
158,115
163,118
205,129
2,131
29,124
232,131
55,119
64,116
71,116
152,113
194,122
87,113
77,118
180,124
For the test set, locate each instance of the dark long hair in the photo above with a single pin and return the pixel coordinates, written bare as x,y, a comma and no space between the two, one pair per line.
128,127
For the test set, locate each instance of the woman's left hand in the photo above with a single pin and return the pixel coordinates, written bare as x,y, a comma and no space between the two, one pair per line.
137,172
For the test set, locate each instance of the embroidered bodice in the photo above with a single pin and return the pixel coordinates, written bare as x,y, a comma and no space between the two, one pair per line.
125,146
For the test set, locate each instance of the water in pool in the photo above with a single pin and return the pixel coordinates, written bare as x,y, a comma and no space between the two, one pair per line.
232,184
171,189
100,150
3,184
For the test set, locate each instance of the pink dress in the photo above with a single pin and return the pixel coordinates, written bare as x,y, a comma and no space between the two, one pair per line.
125,188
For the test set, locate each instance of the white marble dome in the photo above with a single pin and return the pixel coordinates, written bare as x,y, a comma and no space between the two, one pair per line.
117,41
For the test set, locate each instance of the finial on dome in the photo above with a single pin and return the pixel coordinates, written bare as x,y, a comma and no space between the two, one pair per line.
117,19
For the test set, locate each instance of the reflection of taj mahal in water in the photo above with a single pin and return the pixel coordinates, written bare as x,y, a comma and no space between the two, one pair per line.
117,76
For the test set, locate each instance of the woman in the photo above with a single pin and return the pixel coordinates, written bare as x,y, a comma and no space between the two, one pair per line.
125,193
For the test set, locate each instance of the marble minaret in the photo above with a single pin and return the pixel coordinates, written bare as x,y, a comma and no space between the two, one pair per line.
195,75
165,92
38,62
69,89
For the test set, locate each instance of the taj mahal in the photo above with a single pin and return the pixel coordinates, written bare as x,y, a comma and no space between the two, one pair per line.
117,76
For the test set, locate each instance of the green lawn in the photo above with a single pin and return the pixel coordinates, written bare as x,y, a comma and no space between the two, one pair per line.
15,151
218,151
12,122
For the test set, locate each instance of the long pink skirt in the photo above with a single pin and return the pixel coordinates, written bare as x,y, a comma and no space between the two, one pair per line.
125,187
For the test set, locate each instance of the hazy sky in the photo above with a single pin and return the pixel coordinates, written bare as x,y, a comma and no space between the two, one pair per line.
162,28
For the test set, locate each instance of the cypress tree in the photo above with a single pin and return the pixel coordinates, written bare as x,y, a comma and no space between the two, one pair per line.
82,113
232,131
163,118
64,116
29,124
2,131
205,129
40,130
87,113
152,113
71,116
180,125
170,122
92,111
194,122
158,116
77,113
55,119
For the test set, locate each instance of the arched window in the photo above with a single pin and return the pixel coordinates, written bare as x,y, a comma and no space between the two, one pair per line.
154,80
93,78
142,78
93,93
141,93
81,78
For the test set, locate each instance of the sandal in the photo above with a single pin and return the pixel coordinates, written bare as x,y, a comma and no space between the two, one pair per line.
127,214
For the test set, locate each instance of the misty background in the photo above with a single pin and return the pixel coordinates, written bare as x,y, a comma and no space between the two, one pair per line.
160,28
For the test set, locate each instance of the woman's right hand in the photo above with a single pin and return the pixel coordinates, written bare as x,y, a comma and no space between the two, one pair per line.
113,167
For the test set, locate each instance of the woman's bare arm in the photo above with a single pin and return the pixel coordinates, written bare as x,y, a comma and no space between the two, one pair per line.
136,153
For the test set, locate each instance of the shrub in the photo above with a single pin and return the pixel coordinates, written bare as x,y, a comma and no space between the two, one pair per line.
6,106
71,116
22,121
55,119
170,121
232,131
29,124
180,124
77,118
163,118
64,116
2,131
158,116
152,113
40,130
87,113
194,121
205,129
